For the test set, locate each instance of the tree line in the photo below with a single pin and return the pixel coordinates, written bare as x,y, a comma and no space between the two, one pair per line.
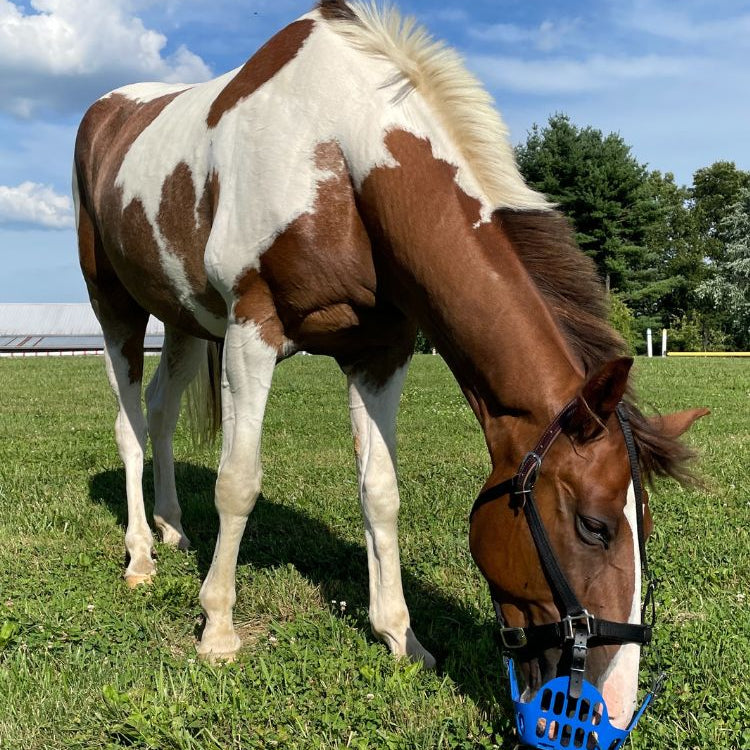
671,256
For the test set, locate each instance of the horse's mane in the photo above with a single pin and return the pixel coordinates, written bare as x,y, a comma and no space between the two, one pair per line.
461,105
570,285
541,236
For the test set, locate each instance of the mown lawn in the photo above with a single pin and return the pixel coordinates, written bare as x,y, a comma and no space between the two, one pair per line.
86,663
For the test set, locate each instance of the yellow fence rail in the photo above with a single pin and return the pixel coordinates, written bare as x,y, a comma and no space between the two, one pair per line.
708,354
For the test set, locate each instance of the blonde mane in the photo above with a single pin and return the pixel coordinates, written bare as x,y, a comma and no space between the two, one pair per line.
463,107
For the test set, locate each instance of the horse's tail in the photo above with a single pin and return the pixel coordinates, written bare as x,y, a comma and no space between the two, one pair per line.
203,398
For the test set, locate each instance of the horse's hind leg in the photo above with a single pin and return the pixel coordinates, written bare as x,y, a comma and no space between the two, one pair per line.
246,379
123,323
180,360
123,353
373,415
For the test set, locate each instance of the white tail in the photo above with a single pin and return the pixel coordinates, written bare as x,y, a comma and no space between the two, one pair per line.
203,398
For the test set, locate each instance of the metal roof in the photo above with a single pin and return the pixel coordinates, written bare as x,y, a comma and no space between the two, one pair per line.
56,319
59,327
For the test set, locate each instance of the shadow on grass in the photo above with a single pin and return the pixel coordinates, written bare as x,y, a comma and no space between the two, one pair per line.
278,535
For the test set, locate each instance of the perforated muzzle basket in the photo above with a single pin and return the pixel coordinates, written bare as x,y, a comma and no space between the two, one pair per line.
552,719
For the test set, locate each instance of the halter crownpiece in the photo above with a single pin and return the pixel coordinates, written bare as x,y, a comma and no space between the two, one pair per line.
568,711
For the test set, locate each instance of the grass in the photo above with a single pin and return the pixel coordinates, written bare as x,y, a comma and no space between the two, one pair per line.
86,663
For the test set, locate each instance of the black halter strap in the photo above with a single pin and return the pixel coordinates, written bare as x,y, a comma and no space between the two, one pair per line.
578,628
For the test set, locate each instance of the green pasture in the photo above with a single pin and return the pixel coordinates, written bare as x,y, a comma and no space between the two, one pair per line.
87,663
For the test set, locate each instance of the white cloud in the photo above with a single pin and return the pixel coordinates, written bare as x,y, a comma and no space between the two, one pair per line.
704,26
449,15
567,76
545,37
66,53
34,205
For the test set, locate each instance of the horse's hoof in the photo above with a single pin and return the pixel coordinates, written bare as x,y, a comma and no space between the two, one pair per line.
217,659
415,651
172,534
175,539
219,648
135,579
427,659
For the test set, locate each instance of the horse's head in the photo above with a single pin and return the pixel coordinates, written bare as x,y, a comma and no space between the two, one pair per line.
588,502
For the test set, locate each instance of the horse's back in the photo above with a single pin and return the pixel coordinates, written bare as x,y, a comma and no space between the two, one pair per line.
236,197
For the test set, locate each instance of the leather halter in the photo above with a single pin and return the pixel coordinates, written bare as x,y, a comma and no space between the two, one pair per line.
577,629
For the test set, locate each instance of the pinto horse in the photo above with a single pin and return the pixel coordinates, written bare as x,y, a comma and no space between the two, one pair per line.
349,183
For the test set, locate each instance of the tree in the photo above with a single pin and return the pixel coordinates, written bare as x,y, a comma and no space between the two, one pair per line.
674,260
715,188
600,186
729,288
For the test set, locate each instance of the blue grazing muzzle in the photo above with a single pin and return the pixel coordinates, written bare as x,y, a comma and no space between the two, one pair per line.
553,719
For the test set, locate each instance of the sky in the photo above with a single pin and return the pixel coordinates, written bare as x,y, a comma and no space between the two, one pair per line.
672,78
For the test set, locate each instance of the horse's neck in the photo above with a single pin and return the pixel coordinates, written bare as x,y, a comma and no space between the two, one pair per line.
469,291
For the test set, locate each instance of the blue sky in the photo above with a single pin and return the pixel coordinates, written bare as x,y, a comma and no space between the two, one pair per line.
672,78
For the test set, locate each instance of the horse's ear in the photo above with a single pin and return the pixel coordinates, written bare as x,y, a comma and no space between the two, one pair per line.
673,425
598,399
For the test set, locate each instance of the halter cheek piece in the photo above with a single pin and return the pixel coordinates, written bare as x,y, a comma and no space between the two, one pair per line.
563,712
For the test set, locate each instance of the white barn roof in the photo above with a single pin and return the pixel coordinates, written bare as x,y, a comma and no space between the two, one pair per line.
59,327
58,319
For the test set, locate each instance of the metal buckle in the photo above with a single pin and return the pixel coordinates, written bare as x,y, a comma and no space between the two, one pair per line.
575,622
513,637
658,686
529,480
524,481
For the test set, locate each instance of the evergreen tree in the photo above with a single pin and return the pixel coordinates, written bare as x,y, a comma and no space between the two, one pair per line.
600,186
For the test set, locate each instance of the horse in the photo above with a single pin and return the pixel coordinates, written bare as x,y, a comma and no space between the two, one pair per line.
350,183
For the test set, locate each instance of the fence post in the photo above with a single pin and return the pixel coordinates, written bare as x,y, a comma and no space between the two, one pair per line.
663,342
649,343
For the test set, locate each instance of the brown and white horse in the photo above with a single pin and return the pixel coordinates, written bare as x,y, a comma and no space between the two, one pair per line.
349,183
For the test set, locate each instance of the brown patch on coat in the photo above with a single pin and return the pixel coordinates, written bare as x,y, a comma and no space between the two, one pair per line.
320,268
185,223
119,253
260,68
87,246
139,267
255,303
132,350
317,284
422,223
336,10
105,135
121,318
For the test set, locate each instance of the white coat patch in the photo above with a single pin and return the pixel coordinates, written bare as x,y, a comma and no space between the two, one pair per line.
620,683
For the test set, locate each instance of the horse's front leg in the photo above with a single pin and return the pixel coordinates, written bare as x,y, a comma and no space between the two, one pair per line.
373,411
246,379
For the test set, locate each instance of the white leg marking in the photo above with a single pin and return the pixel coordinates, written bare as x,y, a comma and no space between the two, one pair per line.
180,360
246,379
373,415
130,434
620,683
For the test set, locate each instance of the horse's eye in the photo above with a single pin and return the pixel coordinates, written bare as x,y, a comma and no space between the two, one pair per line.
593,531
